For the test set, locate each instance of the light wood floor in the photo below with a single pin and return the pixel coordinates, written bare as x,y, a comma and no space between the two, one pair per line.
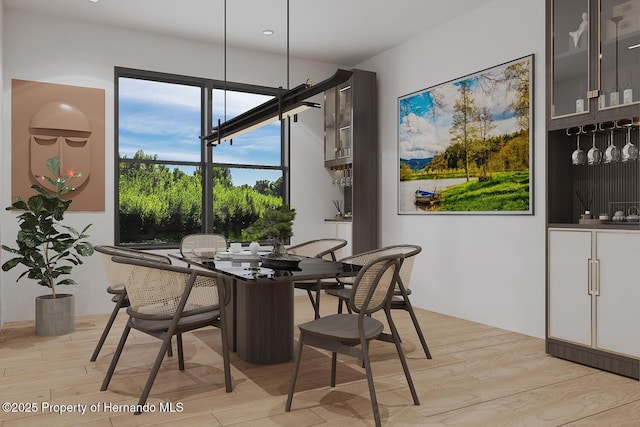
479,376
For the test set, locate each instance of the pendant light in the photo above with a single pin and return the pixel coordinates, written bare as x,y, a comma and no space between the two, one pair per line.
288,103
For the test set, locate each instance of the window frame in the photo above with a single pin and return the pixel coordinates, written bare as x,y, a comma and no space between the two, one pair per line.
206,163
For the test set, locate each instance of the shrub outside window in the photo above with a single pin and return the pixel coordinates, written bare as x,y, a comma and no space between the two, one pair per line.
162,193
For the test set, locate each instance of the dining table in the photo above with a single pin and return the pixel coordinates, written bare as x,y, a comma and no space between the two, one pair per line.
261,309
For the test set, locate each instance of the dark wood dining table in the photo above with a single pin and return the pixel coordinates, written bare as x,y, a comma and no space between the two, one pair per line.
261,312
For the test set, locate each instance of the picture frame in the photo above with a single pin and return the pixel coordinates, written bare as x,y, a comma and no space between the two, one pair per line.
466,146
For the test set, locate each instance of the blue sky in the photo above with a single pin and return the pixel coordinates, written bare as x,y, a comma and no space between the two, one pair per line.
424,127
164,119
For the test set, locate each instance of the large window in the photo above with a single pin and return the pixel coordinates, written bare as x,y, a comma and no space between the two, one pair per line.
168,183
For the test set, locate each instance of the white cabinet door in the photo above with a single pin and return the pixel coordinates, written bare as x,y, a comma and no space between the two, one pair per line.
341,230
569,298
344,231
618,302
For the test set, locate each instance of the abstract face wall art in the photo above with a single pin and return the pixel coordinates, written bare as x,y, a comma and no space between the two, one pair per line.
58,120
60,129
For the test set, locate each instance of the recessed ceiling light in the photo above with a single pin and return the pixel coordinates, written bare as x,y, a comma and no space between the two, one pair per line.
268,32
93,1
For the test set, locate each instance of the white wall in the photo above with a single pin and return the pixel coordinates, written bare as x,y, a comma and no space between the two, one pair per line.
1,135
70,52
490,269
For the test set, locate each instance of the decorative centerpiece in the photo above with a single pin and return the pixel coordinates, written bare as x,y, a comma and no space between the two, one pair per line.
275,226
587,216
48,252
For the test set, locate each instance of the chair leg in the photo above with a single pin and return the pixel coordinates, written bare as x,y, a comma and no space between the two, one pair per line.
294,374
414,319
107,328
372,391
334,360
403,361
314,303
346,303
116,357
225,357
180,352
317,305
154,372
223,289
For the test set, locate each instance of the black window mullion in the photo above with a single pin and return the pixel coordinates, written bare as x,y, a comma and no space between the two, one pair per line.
206,163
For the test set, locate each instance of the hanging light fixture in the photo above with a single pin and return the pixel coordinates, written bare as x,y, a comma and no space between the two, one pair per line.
288,103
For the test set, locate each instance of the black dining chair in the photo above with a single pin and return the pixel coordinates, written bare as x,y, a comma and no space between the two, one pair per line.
351,333
329,249
167,300
115,285
202,245
406,254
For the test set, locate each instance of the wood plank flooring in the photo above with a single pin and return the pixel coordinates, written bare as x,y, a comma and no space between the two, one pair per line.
479,376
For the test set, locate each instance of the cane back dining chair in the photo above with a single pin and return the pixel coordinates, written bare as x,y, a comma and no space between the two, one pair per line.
167,300
116,284
407,254
351,333
202,245
329,249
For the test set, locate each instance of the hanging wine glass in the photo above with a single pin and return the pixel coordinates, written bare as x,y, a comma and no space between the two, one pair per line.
629,151
611,154
578,157
594,155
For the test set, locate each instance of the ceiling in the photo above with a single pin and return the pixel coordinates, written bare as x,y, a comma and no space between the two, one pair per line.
342,32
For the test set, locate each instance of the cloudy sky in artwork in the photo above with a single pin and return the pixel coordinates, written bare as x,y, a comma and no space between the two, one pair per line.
424,126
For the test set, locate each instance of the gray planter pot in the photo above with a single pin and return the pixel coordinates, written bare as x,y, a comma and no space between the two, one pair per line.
55,316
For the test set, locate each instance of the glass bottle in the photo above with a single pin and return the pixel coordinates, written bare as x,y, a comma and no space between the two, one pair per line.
627,94
580,99
614,97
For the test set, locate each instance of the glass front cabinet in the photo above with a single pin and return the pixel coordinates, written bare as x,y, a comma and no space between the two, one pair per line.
351,155
337,119
594,51
593,123
593,183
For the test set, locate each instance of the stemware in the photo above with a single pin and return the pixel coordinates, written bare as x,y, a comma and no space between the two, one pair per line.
578,157
629,151
594,155
611,154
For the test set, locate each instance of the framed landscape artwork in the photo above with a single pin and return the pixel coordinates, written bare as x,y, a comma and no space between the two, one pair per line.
465,146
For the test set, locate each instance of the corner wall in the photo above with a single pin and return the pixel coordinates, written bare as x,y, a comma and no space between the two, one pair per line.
485,268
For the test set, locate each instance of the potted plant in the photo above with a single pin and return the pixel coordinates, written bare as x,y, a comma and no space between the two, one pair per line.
49,250
275,226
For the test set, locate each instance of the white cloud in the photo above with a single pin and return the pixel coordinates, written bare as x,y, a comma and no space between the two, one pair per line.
420,138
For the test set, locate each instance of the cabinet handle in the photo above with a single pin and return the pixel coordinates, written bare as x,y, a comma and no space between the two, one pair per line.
597,263
589,276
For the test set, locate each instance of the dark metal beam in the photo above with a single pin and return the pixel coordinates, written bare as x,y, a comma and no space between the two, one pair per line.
286,101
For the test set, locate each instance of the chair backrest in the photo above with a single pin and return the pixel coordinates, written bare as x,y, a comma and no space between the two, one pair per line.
114,273
374,284
330,249
159,291
406,254
202,245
